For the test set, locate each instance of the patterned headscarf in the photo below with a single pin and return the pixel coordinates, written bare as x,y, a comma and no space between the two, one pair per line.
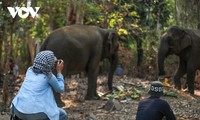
44,62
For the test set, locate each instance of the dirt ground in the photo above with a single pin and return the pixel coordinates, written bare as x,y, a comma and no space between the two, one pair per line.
185,106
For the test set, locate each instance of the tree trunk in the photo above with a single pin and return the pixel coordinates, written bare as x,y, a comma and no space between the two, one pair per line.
9,48
80,12
1,45
71,15
5,93
75,12
198,12
140,72
8,62
31,48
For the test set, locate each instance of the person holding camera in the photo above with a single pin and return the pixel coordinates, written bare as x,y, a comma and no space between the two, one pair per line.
35,99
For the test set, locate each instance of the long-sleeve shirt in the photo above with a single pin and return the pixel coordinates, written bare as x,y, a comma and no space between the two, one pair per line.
36,95
154,108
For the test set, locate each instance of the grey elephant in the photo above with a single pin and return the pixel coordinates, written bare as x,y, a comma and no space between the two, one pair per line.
82,48
184,43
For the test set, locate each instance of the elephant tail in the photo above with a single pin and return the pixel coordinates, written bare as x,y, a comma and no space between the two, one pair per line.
44,45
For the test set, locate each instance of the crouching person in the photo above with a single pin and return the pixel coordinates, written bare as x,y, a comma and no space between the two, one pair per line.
35,99
154,108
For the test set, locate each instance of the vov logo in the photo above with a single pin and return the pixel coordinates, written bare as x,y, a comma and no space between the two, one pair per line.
23,12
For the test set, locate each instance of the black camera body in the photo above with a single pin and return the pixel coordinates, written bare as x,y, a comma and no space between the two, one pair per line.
59,61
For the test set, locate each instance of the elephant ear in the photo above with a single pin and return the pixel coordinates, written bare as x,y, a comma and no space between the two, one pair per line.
112,41
186,41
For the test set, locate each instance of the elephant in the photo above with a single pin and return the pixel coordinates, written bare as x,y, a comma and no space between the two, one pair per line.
185,43
82,47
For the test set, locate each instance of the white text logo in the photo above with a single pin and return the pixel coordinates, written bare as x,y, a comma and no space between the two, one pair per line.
19,10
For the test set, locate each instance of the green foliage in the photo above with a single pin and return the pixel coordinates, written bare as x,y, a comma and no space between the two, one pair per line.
188,13
123,93
160,17
40,29
93,14
49,18
128,17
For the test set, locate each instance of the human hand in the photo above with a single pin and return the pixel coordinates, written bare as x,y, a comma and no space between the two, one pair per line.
59,66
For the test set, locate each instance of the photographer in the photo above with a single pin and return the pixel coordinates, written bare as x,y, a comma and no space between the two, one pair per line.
35,99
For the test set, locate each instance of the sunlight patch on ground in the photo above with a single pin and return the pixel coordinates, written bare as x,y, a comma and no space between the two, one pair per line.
69,103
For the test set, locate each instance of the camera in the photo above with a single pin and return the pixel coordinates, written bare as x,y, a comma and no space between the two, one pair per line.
59,61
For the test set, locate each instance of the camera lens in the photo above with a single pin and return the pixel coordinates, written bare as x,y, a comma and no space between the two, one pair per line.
59,61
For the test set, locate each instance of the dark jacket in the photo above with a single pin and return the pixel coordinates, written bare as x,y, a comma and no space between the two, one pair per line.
154,108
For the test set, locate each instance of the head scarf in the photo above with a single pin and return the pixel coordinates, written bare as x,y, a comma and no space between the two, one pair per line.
44,62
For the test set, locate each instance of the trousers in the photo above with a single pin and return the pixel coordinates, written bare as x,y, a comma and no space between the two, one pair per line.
36,116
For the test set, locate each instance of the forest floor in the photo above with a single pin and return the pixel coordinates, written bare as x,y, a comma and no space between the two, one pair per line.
128,92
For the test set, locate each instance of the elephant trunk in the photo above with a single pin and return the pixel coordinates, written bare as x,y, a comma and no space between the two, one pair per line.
162,54
113,66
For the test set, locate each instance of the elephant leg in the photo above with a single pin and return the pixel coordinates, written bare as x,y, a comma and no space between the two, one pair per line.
93,70
92,85
190,80
180,72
